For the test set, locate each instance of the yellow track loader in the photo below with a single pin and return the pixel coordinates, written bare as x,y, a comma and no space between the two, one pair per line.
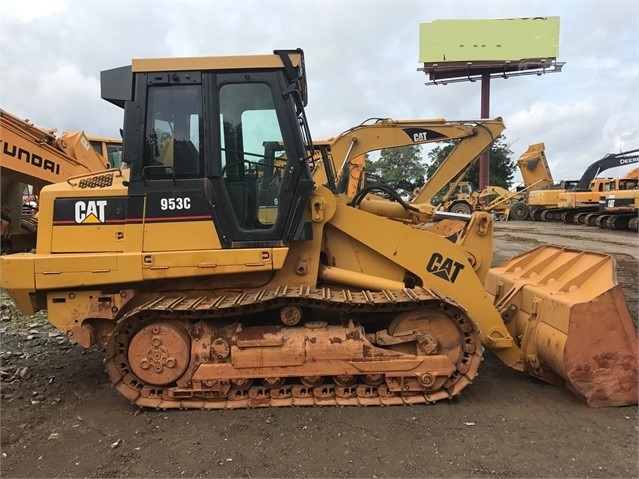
618,205
215,277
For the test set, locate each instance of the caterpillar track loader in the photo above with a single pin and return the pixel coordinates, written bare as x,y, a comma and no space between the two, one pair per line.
32,157
618,205
201,300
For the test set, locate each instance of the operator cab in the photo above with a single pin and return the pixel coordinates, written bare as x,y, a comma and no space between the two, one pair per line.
200,132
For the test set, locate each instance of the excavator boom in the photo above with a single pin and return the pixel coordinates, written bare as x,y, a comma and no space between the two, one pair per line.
347,150
37,157
611,160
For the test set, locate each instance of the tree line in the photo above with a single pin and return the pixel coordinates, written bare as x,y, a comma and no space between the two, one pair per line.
404,168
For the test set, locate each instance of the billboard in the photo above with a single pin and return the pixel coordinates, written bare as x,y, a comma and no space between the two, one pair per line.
508,39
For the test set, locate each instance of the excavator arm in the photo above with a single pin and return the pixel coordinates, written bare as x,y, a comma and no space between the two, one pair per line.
35,156
611,160
348,149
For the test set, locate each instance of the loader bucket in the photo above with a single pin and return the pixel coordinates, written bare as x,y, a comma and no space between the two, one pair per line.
571,319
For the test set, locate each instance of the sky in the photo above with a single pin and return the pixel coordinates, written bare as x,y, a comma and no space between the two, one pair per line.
362,60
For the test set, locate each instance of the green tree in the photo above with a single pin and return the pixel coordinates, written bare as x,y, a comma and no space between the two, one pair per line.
501,171
400,167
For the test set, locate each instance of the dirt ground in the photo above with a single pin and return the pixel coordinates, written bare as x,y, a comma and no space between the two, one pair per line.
61,418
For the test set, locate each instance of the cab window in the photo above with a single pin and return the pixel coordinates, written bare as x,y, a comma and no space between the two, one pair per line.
251,153
172,137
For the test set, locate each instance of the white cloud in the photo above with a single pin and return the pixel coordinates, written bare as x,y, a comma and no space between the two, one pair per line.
29,10
361,59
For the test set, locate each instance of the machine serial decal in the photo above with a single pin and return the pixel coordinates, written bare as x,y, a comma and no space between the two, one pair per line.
445,268
158,208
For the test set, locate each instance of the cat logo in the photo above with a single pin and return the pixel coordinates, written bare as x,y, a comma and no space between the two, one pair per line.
445,268
421,135
90,212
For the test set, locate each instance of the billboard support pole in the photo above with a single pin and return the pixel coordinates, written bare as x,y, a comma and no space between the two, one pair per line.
484,159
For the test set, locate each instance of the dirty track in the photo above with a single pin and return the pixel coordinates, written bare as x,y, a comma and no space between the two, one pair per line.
61,418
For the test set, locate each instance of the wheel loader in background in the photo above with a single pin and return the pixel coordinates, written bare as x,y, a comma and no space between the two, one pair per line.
31,158
462,198
200,301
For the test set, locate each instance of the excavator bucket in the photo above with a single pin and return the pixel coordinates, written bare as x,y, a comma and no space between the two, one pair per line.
571,318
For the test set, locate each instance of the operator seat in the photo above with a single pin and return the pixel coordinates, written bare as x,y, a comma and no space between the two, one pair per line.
181,155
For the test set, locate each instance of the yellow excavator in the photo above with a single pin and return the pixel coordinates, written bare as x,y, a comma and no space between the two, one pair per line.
200,301
31,158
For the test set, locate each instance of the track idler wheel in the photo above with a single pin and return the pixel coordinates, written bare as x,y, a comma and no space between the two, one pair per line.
438,334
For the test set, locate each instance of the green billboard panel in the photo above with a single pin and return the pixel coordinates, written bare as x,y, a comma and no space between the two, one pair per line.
507,39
